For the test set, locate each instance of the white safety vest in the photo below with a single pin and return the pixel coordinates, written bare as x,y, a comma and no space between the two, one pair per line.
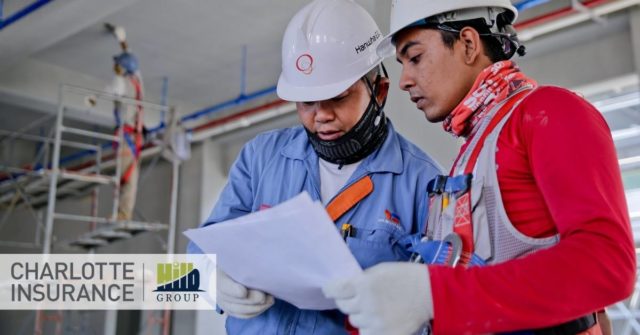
495,239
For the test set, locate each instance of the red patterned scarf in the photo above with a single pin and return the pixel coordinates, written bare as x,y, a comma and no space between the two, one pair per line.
494,84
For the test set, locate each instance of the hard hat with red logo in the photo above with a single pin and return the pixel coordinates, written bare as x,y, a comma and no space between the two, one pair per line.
327,47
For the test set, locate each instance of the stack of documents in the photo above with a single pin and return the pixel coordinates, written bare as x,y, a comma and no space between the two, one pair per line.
290,251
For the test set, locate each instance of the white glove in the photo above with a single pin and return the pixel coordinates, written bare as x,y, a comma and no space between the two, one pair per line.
389,298
239,301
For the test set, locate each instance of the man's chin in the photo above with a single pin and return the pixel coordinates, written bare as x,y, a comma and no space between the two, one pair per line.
330,136
434,117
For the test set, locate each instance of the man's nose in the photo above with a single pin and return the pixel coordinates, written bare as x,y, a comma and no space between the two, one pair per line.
324,113
406,80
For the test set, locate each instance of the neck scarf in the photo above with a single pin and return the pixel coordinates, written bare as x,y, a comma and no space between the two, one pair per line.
492,86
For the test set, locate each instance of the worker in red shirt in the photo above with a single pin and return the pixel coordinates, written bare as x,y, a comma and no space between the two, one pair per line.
534,214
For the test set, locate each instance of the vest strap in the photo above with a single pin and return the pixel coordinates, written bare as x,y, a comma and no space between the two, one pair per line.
463,219
348,198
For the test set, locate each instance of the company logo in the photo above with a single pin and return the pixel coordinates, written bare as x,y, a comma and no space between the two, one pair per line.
362,47
107,281
390,217
177,282
304,63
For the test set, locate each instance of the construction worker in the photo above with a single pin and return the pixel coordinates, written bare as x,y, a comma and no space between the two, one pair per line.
535,197
346,154
129,119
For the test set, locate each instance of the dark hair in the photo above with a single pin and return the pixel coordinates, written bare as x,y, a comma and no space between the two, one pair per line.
492,46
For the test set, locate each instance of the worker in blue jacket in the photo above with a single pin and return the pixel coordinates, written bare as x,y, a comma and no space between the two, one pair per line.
346,154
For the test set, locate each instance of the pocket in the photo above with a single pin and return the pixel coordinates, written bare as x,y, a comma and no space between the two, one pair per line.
378,243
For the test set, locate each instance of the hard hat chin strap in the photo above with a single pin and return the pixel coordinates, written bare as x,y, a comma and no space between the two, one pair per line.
375,87
508,39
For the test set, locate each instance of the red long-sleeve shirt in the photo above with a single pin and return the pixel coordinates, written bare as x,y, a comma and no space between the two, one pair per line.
558,173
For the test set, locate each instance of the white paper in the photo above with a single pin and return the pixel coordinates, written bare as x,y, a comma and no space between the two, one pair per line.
290,251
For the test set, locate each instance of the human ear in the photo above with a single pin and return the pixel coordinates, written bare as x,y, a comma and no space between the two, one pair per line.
383,90
472,44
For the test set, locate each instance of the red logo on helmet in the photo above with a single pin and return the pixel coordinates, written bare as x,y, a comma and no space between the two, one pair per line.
304,63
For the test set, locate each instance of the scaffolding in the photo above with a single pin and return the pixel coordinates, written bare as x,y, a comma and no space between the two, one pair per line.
51,177
45,182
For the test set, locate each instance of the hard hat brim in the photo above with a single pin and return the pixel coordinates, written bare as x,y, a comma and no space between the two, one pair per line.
386,48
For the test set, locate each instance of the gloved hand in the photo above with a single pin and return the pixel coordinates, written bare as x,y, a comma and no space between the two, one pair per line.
389,298
239,301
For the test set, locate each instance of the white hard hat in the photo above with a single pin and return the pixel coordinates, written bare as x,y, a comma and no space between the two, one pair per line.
327,46
407,12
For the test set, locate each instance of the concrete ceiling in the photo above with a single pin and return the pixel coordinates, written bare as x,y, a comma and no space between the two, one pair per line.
197,45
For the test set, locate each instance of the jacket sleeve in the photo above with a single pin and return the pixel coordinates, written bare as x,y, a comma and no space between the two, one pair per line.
574,164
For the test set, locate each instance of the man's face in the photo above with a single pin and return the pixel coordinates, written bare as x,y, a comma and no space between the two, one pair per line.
435,75
332,118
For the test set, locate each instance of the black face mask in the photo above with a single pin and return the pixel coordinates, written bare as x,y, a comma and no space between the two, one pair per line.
364,138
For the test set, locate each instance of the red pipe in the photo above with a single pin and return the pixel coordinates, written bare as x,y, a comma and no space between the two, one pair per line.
556,14
239,115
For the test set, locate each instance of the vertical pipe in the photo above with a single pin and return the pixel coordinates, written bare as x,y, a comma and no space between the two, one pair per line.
95,193
175,175
110,322
163,101
166,321
111,315
58,320
98,159
47,153
1,9
94,207
39,227
96,190
38,326
116,186
40,146
243,73
53,181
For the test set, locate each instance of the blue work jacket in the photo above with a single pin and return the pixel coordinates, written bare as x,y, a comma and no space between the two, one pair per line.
278,165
